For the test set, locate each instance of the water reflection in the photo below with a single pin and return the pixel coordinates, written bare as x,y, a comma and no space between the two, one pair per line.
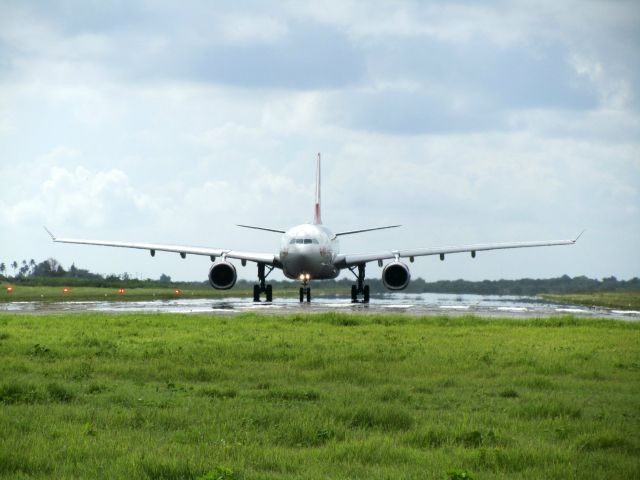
415,304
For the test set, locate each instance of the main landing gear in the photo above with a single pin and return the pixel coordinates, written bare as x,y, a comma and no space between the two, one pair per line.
360,288
267,289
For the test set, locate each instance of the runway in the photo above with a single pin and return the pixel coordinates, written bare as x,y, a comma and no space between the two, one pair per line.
412,304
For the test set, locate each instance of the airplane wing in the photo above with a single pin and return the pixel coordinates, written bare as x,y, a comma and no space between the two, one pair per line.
347,260
183,250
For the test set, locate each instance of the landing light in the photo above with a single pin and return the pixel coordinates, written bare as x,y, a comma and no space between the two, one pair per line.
178,291
121,291
307,276
302,276
65,290
9,289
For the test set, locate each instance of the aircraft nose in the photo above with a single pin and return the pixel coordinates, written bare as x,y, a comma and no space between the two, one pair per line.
299,261
302,247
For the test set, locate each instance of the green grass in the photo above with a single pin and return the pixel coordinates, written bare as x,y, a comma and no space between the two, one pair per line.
22,293
629,300
164,396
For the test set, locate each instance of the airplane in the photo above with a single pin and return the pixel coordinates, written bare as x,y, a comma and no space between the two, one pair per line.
311,251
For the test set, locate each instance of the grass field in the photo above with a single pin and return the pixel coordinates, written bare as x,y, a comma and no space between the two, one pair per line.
21,293
163,396
624,300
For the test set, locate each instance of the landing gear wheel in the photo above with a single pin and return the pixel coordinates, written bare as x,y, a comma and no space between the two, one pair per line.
305,291
262,286
360,287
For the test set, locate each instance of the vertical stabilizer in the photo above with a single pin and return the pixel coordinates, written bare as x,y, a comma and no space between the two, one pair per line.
317,220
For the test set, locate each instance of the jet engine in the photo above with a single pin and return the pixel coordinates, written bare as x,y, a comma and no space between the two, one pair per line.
396,276
222,275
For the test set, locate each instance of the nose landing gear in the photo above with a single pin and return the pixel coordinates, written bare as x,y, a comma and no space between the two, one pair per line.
305,289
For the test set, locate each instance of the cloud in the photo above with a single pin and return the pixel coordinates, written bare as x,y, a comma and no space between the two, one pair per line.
220,46
451,22
81,197
296,113
310,56
240,29
615,93
411,113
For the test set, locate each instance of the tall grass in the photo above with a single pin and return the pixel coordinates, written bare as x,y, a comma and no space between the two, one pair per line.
625,300
318,396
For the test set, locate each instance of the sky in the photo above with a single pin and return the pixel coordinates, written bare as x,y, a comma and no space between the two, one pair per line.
466,122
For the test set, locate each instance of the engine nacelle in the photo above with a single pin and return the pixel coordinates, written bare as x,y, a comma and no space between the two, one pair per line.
396,276
222,275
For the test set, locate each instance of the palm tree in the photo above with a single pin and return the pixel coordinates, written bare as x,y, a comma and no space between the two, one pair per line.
3,268
32,266
24,269
14,265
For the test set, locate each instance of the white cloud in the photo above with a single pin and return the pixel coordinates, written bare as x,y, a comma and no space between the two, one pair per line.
451,23
292,113
615,93
230,134
80,197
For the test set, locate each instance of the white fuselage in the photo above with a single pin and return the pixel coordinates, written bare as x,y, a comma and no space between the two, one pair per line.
307,252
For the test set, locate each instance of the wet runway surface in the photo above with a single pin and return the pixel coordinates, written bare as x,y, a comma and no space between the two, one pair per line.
414,304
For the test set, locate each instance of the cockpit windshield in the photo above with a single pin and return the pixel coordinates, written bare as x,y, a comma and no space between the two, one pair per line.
304,241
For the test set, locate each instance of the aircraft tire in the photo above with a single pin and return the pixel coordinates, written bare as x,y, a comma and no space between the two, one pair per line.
301,295
365,298
354,294
269,293
308,294
256,293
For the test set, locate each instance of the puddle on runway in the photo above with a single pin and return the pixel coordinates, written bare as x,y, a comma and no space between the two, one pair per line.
414,304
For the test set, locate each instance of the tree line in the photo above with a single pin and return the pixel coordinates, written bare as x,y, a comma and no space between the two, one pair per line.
51,272
524,286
